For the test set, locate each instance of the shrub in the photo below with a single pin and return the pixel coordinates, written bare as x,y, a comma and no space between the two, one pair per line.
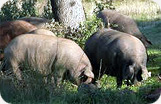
78,35
48,11
10,11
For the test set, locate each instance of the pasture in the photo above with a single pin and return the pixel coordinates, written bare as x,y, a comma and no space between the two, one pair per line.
148,18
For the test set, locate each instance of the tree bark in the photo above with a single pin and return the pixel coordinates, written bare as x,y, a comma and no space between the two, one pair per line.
40,4
68,12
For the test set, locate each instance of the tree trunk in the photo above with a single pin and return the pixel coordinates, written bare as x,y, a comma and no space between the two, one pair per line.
68,12
40,4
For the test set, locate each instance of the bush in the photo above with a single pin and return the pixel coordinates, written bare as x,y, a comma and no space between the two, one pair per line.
48,11
78,35
107,4
10,11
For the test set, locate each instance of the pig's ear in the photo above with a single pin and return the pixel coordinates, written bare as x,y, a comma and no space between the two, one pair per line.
128,71
86,70
88,73
86,76
90,76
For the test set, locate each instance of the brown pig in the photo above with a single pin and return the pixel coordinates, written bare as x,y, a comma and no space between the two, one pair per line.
11,29
48,55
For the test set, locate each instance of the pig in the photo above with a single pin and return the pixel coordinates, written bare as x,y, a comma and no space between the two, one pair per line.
117,54
42,32
11,29
124,24
37,21
48,55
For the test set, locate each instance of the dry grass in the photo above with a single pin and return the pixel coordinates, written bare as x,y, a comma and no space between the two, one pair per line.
140,9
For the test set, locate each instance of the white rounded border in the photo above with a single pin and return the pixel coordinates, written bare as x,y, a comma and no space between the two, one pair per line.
2,100
156,1
158,101
2,2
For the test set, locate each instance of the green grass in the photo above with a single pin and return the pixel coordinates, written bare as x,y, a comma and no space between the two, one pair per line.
39,92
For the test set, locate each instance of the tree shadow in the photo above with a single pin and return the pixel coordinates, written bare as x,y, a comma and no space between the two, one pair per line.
40,92
33,89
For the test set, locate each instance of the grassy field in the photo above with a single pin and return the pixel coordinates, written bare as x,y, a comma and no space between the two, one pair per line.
147,15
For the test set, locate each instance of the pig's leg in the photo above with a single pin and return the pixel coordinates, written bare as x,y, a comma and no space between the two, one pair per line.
119,81
16,70
58,75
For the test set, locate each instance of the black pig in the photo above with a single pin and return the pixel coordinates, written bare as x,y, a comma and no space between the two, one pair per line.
117,54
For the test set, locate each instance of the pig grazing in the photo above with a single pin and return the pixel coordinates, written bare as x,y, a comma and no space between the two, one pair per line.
10,30
124,24
48,55
117,54
42,32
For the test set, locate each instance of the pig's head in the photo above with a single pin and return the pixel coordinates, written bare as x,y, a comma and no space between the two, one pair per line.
83,74
136,73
